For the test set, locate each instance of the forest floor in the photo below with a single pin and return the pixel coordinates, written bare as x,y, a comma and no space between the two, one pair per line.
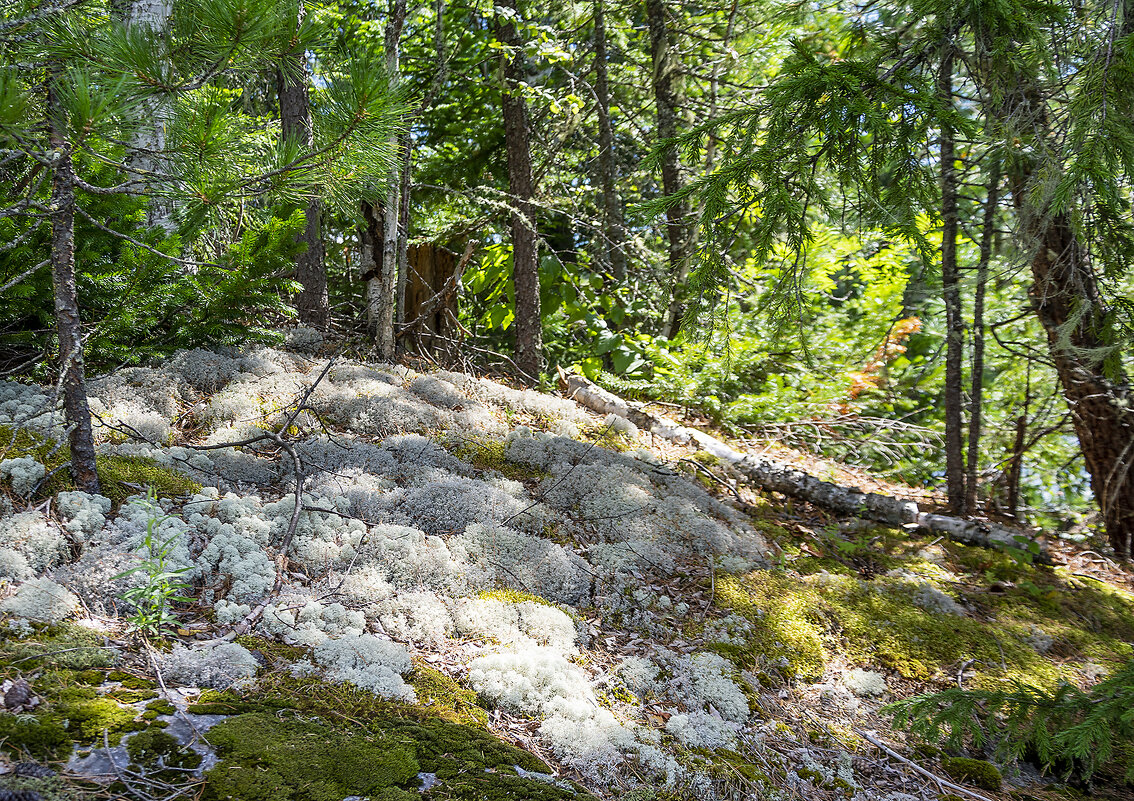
488,593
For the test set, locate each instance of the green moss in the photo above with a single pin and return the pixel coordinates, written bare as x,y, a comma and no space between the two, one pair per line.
90,676
267,757
784,629
799,621
471,764
487,453
511,596
439,692
147,747
161,707
973,771
40,738
132,696
87,718
274,651
63,646
121,476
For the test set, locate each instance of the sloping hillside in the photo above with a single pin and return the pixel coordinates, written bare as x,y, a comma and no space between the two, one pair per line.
483,593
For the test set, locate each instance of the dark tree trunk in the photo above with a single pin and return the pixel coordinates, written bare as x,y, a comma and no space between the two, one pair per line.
525,264
295,125
1015,466
676,215
976,393
613,232
404,191
950,286
1067,302
72,379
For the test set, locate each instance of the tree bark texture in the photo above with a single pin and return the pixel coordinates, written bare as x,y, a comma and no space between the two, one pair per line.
384,296
72,379
312,301
976,393
676,216
613,231
769,475
951,292
146,155
1066,300
525,255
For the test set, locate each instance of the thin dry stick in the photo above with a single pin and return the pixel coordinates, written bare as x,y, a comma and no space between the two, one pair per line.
940,782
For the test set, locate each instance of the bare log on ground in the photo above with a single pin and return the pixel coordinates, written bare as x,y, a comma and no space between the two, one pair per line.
777,477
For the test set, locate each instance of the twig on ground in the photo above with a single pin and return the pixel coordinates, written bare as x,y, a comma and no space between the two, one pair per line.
940,782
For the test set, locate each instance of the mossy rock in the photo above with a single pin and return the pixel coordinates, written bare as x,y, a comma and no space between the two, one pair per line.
88,717
469,762
277,758
153,748
977,772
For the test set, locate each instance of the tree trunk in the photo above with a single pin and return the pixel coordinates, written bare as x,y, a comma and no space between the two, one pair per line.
146,155
383,288
517,136
612,220
1067,302
295,125
950,286
1012,495
676,215
977,392
403,265
69,327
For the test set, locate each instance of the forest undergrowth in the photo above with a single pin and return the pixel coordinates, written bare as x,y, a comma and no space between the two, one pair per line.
486,593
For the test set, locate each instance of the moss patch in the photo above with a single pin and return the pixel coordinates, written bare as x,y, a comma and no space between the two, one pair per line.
62,646
470,764
31,736
121,476
451,702
279,758
972,771
830,603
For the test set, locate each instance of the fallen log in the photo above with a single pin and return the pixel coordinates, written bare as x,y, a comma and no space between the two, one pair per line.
768,474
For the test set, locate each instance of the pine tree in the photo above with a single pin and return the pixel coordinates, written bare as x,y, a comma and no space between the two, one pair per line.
74,82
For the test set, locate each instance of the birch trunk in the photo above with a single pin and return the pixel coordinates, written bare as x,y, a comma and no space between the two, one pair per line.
145,158
382,289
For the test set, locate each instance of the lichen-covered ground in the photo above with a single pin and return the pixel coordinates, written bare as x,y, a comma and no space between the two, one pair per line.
489,594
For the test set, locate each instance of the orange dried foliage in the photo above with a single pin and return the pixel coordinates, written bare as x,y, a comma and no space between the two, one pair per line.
893,346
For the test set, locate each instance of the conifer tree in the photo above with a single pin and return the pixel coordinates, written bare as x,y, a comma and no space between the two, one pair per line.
74,78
